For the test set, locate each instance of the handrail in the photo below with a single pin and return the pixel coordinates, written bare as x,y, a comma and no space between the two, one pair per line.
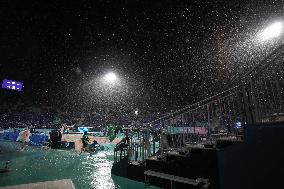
197,103
266,62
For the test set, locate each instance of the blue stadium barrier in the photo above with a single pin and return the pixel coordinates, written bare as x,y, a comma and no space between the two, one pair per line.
9,136
6,136
2,135
36,139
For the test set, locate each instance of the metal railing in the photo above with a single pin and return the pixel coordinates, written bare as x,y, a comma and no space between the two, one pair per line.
256,97
142,144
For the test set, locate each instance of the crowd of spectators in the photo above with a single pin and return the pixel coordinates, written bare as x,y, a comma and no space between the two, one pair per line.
21,115
26,119
43,118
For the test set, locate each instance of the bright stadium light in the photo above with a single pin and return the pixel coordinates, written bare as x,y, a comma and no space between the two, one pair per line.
272,31
110,77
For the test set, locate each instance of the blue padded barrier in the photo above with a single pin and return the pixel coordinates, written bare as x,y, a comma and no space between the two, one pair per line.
2,135
36,139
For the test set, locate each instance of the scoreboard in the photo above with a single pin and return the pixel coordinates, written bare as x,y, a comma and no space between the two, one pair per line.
12,85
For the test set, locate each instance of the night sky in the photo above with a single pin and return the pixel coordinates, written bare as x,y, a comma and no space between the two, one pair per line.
167,54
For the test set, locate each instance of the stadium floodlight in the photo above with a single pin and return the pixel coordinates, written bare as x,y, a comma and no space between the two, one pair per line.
272,31
111,77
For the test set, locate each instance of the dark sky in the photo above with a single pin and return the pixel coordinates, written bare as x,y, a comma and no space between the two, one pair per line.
167,53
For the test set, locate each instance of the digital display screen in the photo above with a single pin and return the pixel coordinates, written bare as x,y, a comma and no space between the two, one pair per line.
238,125
83,129
12,85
